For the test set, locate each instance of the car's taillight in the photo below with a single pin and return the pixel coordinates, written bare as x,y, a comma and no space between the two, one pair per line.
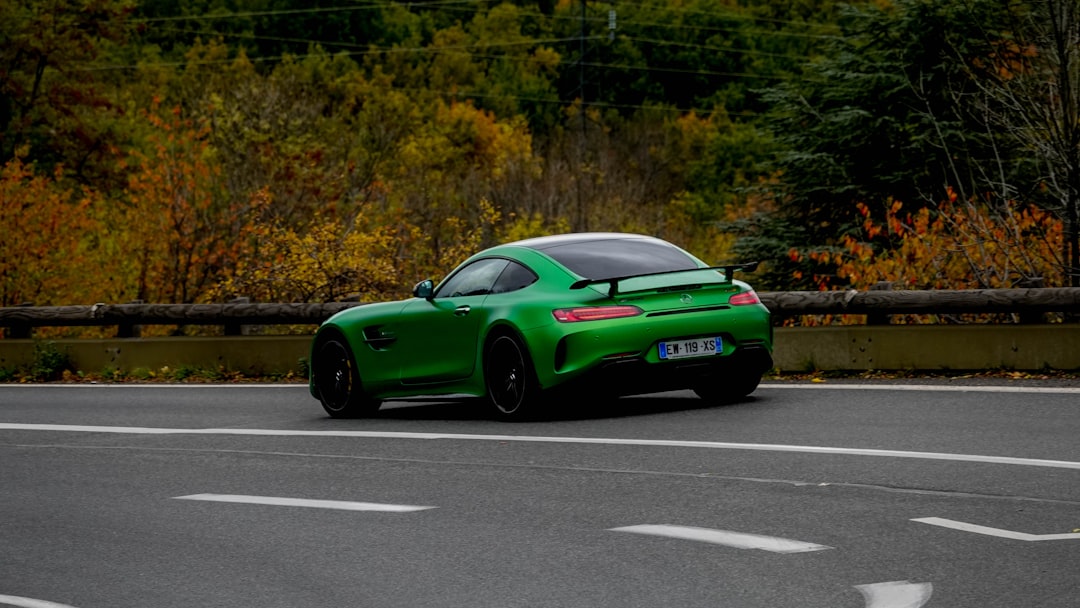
595,313
744,298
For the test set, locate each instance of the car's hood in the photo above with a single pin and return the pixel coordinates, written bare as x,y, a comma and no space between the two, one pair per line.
370,311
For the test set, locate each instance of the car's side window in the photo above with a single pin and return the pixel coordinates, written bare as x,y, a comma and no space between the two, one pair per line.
476,279
514,277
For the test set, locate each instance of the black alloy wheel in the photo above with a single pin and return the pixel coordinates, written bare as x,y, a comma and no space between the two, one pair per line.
337,381
508,376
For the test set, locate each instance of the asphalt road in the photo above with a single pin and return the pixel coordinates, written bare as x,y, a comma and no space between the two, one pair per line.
805,496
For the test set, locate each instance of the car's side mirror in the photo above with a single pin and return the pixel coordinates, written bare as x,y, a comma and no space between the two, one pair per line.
424,289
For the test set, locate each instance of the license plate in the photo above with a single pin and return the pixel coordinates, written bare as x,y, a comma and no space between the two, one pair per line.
698,347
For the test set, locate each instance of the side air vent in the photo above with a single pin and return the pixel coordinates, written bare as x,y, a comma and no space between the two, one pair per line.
560,355
378,338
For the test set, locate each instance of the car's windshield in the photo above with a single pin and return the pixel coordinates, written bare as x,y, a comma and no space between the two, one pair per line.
620,257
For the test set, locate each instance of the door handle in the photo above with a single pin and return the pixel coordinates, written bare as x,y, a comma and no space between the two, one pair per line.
462,310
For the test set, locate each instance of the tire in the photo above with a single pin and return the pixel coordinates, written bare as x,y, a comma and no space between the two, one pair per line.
512,389
336,379
728,389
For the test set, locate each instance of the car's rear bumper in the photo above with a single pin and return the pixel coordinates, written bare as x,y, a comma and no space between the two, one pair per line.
635,375
563,351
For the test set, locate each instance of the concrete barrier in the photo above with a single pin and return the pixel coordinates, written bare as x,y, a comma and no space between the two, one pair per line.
928,347
256,355
852,348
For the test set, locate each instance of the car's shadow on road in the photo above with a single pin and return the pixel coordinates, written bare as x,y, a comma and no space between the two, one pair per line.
472,408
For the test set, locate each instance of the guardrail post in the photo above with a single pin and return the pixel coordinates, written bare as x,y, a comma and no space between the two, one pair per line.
877,318
1032,318
233,328
127,329
22,331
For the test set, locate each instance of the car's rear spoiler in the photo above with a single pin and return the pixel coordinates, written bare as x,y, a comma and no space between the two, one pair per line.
729,272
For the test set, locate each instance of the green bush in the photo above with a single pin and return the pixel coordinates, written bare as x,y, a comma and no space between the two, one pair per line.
50,362
184,372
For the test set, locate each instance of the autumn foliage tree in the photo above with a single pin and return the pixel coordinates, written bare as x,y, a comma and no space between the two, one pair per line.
376,255
449,164
960,244
53,107
177,231
1029,90
299,153
47,231
328,262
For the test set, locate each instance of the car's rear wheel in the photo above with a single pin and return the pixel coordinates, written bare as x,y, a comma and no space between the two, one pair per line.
510,380
728,388
336,379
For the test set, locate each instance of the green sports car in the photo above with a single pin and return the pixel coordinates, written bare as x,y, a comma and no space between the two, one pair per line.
527,323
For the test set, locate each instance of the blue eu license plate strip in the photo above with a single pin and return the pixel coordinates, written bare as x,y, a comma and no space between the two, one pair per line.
698,347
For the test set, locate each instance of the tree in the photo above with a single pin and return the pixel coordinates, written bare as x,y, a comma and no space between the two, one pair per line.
1029,90
694,54
328,263
52,102
923,97
47,229
957,245
179,231
458,157
877,120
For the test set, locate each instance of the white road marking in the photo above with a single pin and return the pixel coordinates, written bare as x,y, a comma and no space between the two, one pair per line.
959,388
977,529
165,385
303,502
946,388
26,602
716,445
897,594
738,540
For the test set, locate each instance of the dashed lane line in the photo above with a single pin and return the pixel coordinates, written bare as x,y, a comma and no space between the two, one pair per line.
998,532
727,538
279,501
28,602
896,594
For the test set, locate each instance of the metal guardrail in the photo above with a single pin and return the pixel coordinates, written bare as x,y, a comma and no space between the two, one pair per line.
910,302
19,321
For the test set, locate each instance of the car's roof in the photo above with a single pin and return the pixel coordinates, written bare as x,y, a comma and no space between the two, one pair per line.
547,242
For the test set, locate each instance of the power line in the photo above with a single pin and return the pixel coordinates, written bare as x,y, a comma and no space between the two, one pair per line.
729,30
698,72
629,21
690,11
469,50
434,49
721,49
297,11
452,5
369,51
459,49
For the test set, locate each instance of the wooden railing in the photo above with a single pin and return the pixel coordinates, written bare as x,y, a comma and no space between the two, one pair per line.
1029,305
881,302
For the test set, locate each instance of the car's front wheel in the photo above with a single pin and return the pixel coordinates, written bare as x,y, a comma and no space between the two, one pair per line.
511,384
728,389
336,379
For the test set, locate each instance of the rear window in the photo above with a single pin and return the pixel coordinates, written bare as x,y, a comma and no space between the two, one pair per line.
620,257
